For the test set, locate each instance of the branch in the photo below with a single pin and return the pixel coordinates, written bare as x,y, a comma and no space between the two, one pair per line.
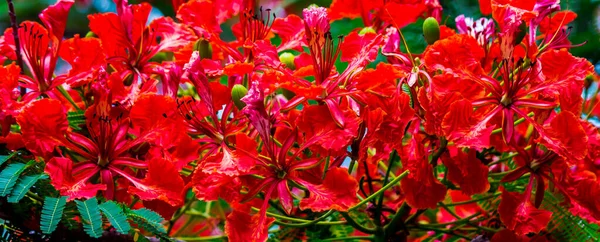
15,27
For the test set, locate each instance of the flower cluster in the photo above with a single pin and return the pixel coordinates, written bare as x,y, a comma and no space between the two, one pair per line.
490,117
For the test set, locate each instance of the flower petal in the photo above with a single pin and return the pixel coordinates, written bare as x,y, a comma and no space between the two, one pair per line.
338,192
162,182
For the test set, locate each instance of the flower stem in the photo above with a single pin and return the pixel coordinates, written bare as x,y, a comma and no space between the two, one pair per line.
381,197
474,200
357,226
375,194
68,97
439,151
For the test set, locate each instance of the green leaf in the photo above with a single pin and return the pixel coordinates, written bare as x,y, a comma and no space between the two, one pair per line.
115,215
9,176
564,226
51,213
23,185
4,158
76,119
149,220
92,220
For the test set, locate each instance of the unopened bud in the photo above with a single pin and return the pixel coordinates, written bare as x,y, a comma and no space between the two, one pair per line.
204,48
431,30
237,93
90,34
589,79
366,30
288,60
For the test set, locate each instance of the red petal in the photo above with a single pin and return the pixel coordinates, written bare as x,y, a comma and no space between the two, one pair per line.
241,226
55,18
551,24
156,117
316,123
285,198
402,14
466,130
109,29
212,186
73,186
565,136
199,14
9,77
338,192
43,125
456,54
420,188
519,214
173,36
238,68
84,55
468,172
561,70
485,6
354,43
291,31
162,182
352,8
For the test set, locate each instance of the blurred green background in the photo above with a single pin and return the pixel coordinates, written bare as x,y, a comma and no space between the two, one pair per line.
585,28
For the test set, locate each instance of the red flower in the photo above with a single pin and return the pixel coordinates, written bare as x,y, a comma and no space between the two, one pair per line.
85,57
128,44
161,182
241,226
105,152
338,192
420,187
316,124
519,215
466,170
40,46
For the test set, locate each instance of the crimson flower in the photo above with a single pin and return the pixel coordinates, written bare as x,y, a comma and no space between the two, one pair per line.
129,44
107,151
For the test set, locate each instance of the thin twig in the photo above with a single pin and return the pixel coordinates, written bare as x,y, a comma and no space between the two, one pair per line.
15,27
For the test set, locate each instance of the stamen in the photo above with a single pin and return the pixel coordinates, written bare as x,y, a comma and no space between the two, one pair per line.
254,26
324,53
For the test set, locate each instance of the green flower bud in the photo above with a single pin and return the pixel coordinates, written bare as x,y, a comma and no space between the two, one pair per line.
431,30
204,48
589,79
366,30
288,59
237,93
90,34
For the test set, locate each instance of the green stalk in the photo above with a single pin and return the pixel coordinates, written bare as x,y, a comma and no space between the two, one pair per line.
375,194
68,97
357,226
381,197
474,200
